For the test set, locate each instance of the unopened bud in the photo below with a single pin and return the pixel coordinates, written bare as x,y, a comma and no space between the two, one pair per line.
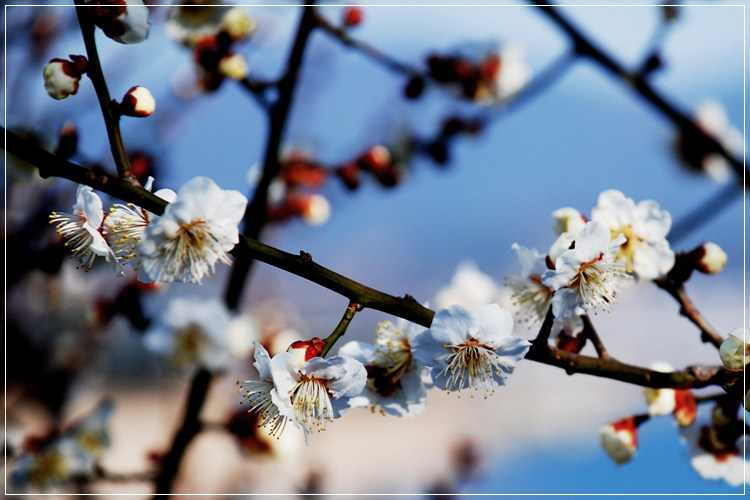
305,350
237,23
661,401
620,439
124,21
568,220
317,210
686,408
352,15
734,351
137,102
709,258
61,77
376,158
234,66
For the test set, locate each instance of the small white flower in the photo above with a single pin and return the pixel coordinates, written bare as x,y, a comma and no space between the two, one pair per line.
191,334
190,20
319,389
81,229
530,295
587,275
470,349
395,380
735,351
274,410
646,250
469,287
620,439
124,21
195,232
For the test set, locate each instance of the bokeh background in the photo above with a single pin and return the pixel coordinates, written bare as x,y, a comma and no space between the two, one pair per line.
584,133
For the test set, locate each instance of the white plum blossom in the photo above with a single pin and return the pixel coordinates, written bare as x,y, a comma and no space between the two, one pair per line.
568,220
469,287
514,71
646,250
530,295
189,21
735,351
124,21
195,232
620,439
395,380
587,275
318,388
264,399
466,349
711,117
81,229
714,459
191,333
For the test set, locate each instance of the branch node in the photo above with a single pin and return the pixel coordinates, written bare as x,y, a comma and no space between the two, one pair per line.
305,257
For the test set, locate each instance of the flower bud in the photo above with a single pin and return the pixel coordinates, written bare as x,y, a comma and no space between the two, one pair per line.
124,21
61,77
376,158
305,350
734,351
685,409
237,23
317,210
137,102
568,220
234,66
661,401
709,258
620,439
352,15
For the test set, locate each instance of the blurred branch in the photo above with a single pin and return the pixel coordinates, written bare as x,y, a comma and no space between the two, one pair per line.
586,48
257,90
688,309
405,307
591,334
704,212
94,71
255,214
102,474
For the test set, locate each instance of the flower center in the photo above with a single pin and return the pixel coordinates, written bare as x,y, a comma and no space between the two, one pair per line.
258,394
191,340
49,467
311,403
472,364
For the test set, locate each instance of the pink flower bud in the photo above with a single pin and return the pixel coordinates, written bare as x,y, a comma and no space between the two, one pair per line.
137,102
61,77
305,350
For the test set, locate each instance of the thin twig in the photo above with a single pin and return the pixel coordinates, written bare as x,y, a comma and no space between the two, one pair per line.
688,309
704,212
94,71
591,334
340,329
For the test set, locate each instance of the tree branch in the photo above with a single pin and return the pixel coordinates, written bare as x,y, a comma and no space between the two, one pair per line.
340,329
94,71
688,309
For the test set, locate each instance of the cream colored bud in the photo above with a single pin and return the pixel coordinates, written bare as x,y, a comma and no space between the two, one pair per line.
568,220
234,66
734,351
61,79
317,211
619,440
137,102
712,260
660,401
237,23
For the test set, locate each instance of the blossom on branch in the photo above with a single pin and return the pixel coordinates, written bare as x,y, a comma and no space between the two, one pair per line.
586,275
82,229
195,232
395,379
735,350
61,76
466,349
530,295
646,250
137,102
469,287
124,21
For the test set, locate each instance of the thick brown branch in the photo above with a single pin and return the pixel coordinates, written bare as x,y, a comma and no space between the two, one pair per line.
404,307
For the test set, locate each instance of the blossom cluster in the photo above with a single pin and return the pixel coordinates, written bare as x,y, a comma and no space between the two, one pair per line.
462,350
592,261
197,229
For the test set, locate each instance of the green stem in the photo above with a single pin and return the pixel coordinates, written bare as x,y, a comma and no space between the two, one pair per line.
340,329
95,73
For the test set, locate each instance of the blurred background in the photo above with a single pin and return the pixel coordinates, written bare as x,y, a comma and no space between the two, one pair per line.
582,131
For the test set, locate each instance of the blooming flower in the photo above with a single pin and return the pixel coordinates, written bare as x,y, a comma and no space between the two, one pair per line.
646,250
587,275
319,388
191,20
195,231
61,77
470,349
191,334
395,380
273,409
81,229
124,21
469,287
529,293
620,439
735,351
